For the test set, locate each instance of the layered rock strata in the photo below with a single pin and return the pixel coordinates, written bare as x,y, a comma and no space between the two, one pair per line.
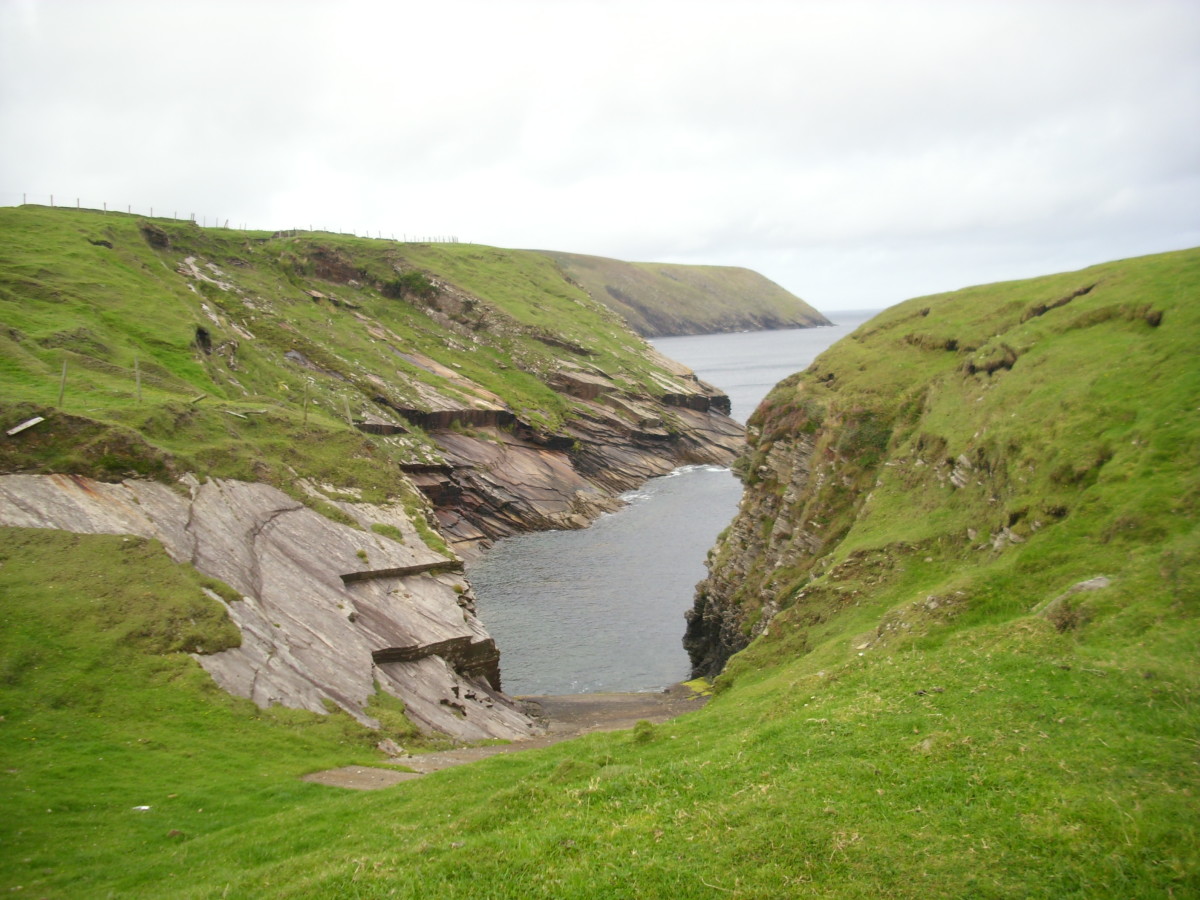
328,613
503,478
723,620
482,378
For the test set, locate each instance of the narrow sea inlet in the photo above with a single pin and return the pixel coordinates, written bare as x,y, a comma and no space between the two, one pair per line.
602,609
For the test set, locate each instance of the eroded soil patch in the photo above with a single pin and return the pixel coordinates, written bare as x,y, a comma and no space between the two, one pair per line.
566,716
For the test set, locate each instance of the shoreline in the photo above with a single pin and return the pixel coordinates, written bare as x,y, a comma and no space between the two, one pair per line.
565,716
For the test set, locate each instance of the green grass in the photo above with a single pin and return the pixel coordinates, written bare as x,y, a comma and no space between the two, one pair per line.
1012,760
104,311
104,711
142,368
660,299
909,725
1091,434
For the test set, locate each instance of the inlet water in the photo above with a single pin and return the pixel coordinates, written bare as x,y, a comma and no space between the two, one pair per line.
602,609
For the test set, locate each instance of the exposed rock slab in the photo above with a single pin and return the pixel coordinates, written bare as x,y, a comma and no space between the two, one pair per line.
504,485
498,482
308,635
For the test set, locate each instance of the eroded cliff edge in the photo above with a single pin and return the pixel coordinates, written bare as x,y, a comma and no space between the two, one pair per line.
328,424
960,454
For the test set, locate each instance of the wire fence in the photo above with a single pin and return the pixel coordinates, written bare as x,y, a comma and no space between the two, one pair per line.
204,220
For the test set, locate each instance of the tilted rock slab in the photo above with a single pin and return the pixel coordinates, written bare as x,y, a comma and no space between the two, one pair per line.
496,483
319,623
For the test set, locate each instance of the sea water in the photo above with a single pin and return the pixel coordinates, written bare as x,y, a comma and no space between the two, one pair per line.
602,609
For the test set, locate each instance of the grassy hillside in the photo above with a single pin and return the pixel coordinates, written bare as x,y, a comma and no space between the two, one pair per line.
163,348
661,299
1041,429
918,719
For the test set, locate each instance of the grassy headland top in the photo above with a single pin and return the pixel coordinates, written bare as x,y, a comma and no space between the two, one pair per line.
182,345
662,299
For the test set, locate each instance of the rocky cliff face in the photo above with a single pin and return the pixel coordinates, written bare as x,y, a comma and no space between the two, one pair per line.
328,424
737,600
946,444
329,613
496,482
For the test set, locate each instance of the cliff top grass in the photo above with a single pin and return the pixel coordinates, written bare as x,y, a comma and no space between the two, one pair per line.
662,299
922,723
1000,444
1070,399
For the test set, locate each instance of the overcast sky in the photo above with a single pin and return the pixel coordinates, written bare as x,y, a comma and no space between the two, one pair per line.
857,153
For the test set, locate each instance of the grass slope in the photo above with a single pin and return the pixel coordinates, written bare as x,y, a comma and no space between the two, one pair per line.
273,344
661,299
984,753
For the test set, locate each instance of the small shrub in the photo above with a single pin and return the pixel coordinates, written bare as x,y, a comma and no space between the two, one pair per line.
643,732
1065,615
409,284
864,439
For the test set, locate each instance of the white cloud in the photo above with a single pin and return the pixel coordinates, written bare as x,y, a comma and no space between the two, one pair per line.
856,152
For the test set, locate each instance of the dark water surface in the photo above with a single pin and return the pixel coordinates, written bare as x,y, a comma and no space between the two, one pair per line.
602,609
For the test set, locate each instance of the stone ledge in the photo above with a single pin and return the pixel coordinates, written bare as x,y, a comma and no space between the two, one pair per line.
443,565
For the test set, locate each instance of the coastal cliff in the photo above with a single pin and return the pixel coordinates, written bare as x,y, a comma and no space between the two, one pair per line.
949,442
664,299
965,581
328,425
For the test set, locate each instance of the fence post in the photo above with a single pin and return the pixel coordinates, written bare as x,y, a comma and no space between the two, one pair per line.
62,384
137,374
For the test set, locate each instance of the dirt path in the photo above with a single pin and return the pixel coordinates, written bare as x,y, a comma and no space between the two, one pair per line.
566,715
